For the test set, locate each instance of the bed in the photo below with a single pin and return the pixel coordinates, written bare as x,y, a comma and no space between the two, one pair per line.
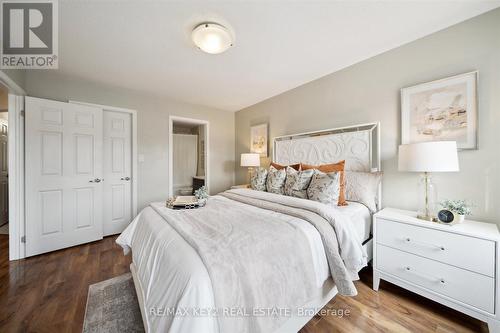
210,270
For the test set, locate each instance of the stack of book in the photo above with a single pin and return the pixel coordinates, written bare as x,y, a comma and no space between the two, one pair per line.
183,202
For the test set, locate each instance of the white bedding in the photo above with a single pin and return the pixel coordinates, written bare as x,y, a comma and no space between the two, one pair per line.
358,215
172,275
361,218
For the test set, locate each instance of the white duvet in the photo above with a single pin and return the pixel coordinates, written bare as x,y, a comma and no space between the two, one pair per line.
172,276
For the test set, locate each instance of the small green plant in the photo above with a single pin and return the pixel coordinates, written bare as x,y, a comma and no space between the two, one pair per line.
201,193
459,207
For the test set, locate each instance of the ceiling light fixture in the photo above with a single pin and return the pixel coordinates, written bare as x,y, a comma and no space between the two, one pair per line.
212,38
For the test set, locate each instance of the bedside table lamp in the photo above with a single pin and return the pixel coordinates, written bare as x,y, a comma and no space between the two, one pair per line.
426,157
250,160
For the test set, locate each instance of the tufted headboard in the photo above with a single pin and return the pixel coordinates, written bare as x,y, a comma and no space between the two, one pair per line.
358,145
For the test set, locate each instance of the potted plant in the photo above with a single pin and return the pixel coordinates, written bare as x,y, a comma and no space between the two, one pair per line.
459,208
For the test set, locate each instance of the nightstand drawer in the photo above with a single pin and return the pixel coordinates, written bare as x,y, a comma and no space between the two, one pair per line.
462,285
474,254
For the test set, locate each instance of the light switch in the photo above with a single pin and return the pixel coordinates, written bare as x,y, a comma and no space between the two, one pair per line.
140,158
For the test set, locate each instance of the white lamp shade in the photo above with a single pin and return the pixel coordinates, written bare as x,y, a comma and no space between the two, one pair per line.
436,156
250,160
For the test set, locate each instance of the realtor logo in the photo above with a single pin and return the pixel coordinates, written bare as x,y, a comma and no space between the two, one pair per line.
29,34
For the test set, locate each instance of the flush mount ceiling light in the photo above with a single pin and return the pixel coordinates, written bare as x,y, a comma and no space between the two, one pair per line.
212,38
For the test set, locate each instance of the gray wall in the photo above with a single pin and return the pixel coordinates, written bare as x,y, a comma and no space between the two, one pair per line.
152,118
4,99
16,75
369,92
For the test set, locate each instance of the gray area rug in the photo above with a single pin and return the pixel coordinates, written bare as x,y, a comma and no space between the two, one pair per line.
112,307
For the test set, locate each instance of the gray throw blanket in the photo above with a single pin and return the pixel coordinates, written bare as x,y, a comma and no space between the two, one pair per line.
343,240
256,258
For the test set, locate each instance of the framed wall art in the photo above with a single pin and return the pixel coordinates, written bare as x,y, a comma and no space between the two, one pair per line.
442,110
258,139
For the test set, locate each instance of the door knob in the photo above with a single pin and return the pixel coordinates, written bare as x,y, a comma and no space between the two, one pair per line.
97,180
125,178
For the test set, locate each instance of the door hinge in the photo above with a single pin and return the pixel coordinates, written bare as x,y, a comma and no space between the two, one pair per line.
23,239
22,113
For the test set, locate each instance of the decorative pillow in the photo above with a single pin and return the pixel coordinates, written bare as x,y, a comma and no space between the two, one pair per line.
362,187
279,166
325,187
327,168
276,180
258,181
297,182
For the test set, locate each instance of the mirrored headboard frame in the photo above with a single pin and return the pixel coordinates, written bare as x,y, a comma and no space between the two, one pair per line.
358,145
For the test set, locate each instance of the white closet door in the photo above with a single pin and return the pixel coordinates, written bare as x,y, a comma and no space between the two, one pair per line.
63,148
117,171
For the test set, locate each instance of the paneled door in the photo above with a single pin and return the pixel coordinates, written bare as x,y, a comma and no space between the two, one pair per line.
64,195
117,171
4,172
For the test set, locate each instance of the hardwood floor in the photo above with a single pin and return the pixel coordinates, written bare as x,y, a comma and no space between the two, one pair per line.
48,293
391,309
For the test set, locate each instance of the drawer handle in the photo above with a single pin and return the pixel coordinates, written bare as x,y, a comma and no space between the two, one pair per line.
433,279
439,247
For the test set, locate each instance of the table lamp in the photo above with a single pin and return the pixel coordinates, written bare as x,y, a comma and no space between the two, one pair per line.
426,157
250,160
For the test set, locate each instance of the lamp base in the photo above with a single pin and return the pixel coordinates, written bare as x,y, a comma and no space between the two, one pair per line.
249,175
427,199
427,218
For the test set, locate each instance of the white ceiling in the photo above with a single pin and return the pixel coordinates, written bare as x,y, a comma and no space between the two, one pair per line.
146,45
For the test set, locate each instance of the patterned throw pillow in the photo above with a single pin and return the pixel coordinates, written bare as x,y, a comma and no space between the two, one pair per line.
339,166
325,187
297,182
275,180
258,181
363,187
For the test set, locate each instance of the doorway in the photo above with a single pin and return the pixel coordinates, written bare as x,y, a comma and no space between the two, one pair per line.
188,155
4,166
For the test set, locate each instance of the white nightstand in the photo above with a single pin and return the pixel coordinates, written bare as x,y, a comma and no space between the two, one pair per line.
240,186
454,265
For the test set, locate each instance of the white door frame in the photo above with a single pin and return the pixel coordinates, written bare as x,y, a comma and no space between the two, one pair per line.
16,167
134,145
171,120
6,123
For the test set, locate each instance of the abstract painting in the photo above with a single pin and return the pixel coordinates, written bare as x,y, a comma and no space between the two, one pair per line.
258,139
442,110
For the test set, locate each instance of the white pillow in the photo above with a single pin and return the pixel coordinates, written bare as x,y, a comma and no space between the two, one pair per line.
362,187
